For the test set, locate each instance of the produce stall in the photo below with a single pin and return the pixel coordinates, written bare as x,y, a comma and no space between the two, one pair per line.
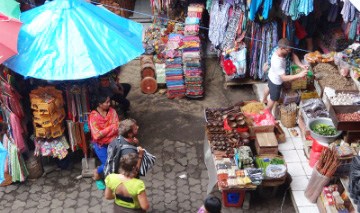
241,150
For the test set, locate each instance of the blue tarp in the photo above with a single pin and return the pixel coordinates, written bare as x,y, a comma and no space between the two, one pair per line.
3,153
73,39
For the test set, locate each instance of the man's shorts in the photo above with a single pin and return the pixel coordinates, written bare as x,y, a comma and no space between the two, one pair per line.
275,90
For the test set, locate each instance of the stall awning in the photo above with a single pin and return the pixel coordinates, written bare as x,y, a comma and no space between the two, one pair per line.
73,39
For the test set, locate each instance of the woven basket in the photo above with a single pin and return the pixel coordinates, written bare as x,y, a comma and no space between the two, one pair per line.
34,167
288,119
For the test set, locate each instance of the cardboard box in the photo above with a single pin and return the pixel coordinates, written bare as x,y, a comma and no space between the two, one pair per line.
279,133
266,143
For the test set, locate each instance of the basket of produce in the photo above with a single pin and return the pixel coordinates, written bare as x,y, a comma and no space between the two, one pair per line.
323,130
300,83
288,114
275,169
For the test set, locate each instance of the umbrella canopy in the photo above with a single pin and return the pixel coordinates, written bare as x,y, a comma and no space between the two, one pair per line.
8,37
10,8
73,39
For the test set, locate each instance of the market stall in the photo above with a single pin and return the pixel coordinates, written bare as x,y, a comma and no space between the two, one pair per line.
58,78
177,49
241,150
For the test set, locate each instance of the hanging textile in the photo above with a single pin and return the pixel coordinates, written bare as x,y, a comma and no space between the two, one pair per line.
353,29
3,155
228,41
254,7
218,23
17,132
348,12
306,7
333,13
293,10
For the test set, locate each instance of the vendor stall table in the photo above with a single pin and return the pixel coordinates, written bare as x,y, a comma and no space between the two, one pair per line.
210,165
243,81
345,183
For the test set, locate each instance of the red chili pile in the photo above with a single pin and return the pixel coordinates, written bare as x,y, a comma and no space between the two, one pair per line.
349,116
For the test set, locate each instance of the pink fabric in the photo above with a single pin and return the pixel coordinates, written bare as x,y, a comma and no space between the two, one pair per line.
8,38
5,143
17,131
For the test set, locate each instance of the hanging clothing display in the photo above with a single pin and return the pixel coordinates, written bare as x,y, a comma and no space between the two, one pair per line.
255,5
228,41
218,22
306,6
348,11
15,164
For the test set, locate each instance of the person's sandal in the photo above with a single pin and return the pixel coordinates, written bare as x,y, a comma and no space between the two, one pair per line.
100,184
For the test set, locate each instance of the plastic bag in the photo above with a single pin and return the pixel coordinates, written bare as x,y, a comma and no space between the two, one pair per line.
3,154
275,171
265,118
316,183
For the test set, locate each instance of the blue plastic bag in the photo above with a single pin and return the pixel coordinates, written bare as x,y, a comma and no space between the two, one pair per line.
3,153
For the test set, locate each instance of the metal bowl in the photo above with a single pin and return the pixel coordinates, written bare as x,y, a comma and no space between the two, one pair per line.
321,138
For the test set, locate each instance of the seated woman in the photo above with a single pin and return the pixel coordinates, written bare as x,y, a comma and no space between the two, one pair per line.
128,191
116,91
104,128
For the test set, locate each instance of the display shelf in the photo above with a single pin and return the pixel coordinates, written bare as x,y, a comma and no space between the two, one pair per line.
241,81
345,183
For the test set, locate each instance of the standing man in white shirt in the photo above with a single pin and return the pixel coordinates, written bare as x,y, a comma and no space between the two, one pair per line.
277,72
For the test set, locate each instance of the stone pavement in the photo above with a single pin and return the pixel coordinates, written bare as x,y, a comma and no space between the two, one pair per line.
172,130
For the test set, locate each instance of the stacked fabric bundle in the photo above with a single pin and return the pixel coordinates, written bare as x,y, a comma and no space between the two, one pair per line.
192,54
193,18
174,78
193,67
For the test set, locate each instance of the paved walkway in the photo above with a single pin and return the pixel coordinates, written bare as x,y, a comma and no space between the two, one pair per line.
173,130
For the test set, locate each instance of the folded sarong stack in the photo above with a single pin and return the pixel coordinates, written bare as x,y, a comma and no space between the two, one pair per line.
174,78
192,65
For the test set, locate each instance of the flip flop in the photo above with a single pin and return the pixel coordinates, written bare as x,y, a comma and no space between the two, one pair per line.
100,184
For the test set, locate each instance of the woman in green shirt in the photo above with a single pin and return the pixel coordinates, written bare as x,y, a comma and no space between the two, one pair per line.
128,191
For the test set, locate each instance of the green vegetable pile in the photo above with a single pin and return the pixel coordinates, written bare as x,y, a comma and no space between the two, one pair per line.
324,129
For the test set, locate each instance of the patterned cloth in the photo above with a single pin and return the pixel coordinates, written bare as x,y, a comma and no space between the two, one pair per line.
218,22
104,130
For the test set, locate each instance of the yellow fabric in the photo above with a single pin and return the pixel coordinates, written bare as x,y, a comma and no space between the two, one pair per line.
134,187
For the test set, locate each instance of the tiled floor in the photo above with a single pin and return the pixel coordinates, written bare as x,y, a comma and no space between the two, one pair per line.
298,168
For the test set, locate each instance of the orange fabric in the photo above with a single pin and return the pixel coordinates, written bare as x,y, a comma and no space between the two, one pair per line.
104,130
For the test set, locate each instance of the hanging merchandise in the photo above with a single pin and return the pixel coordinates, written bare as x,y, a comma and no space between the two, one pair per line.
47,103
306,6
228,41
260,51
348,12
57,148
218,22
255,5
15,164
